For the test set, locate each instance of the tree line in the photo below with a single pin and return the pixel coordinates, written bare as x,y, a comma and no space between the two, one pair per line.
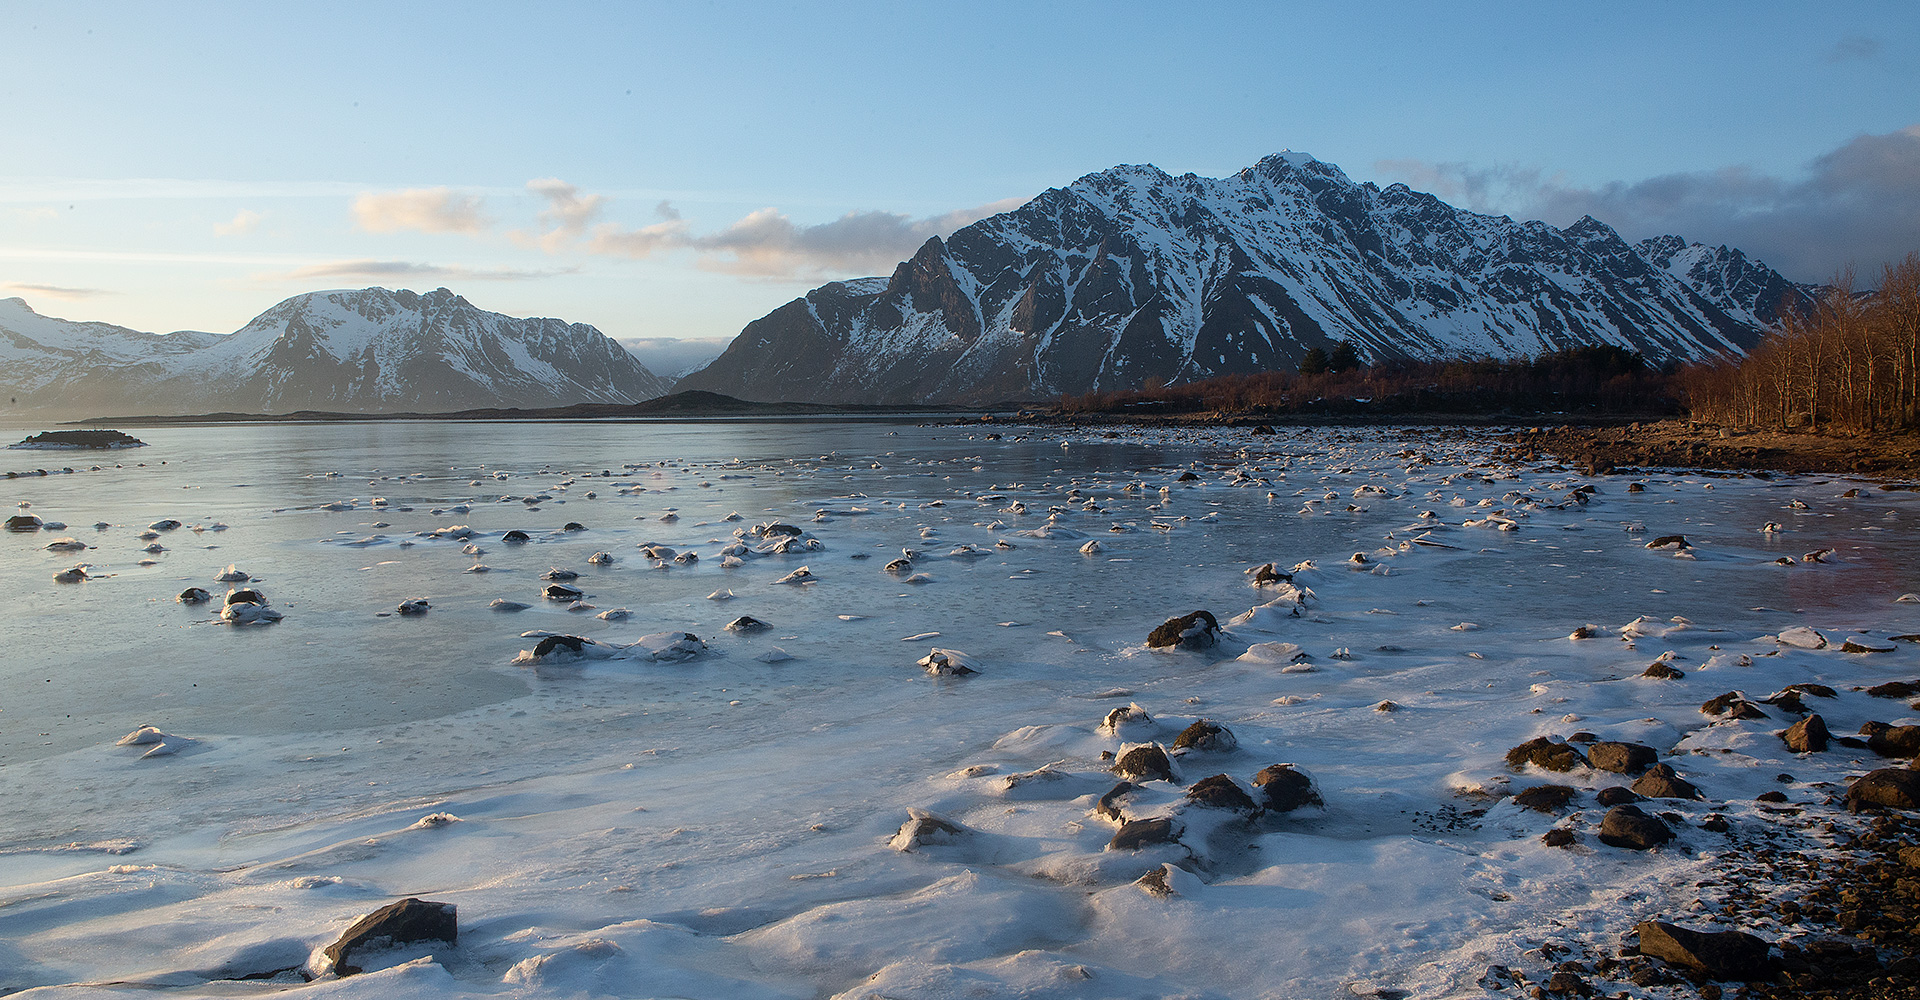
1850,363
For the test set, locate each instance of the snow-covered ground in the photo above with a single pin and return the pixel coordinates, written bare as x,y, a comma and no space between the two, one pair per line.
806,810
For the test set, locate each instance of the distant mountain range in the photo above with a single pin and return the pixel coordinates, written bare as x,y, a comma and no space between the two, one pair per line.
1130,275
366,350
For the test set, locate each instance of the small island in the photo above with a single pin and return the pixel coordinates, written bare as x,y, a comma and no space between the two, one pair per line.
100,439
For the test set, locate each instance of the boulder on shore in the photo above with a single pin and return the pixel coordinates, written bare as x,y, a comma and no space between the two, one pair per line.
1544,753
1627,826
1889,787
1622,758
1194,631
1731,955
408,921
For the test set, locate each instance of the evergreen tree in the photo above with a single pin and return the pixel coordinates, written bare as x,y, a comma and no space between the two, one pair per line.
1342,357
1314,362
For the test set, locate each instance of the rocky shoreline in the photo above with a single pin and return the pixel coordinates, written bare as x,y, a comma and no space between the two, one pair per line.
1685,444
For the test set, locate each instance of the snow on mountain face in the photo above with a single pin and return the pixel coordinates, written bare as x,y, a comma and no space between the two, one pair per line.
1131,274
1745,288
369,350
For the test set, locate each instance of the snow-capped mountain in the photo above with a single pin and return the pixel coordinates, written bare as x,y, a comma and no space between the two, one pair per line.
1131,274
1747,289
365,350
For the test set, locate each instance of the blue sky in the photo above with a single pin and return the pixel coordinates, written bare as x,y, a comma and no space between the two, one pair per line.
671,172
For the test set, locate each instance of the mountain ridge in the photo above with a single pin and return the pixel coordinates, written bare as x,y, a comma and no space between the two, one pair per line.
367,350
1132,274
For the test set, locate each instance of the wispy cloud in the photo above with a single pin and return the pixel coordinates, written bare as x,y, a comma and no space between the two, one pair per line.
426,210
1854,48
1858,204
244,223
380,270
56,291
566,216
769,244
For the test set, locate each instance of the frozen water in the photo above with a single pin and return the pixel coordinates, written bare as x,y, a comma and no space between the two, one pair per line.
713,817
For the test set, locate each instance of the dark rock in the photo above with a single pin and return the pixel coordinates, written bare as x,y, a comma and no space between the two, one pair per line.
1771,796
1221,792
1892,741
1622,758
414,606
1659,670
1109,805
1197,630
1614,795
1850,646
1895,689
747,623
516,535
573,526
1660,782
1544,753
409,921
1890,788
776,528
1187,477
562,592
1816,690
1626,826
1715,823
24,522
194,595
1265,573
1729,955
100,439
1558,837
1156,883
1675,542
1145,763
246,596
1732,703
1544,798
1809,735
548,644
1137,833
1285,788
1206,736
1787,701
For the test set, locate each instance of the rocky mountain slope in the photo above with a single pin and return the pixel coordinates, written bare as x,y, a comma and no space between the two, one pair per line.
366,350
1130,275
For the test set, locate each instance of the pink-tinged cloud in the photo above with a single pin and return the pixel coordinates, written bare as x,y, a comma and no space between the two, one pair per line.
425,210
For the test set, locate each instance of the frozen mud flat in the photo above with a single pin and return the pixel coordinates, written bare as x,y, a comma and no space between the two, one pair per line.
762,782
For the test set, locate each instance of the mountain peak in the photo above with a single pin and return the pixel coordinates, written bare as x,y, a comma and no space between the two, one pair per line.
1129,274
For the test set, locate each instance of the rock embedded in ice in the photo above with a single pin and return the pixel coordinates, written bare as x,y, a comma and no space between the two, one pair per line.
562,592
1889,788
924,827
1734,705
1894,689
1196,630
502,604
803,575
1147,762
1627,826
1545,754
614,615
1548,799
408,921
1206,736
76,574
24,522
559,575
1892,741
1907,599
194,595
1128,716
1857,645
747,623
1675,542
774,654
66,545
1284,788
1220,791
1110,806
1662,782
248,607
1809,735
1614,795
1730,955
573,526
601,559
1138,833
233,574
516,537
144,736
947,663
1621,758
164,524
720,595
414,606
1159,882
1659,670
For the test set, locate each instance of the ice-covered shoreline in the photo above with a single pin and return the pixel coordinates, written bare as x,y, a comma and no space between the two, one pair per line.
611,839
